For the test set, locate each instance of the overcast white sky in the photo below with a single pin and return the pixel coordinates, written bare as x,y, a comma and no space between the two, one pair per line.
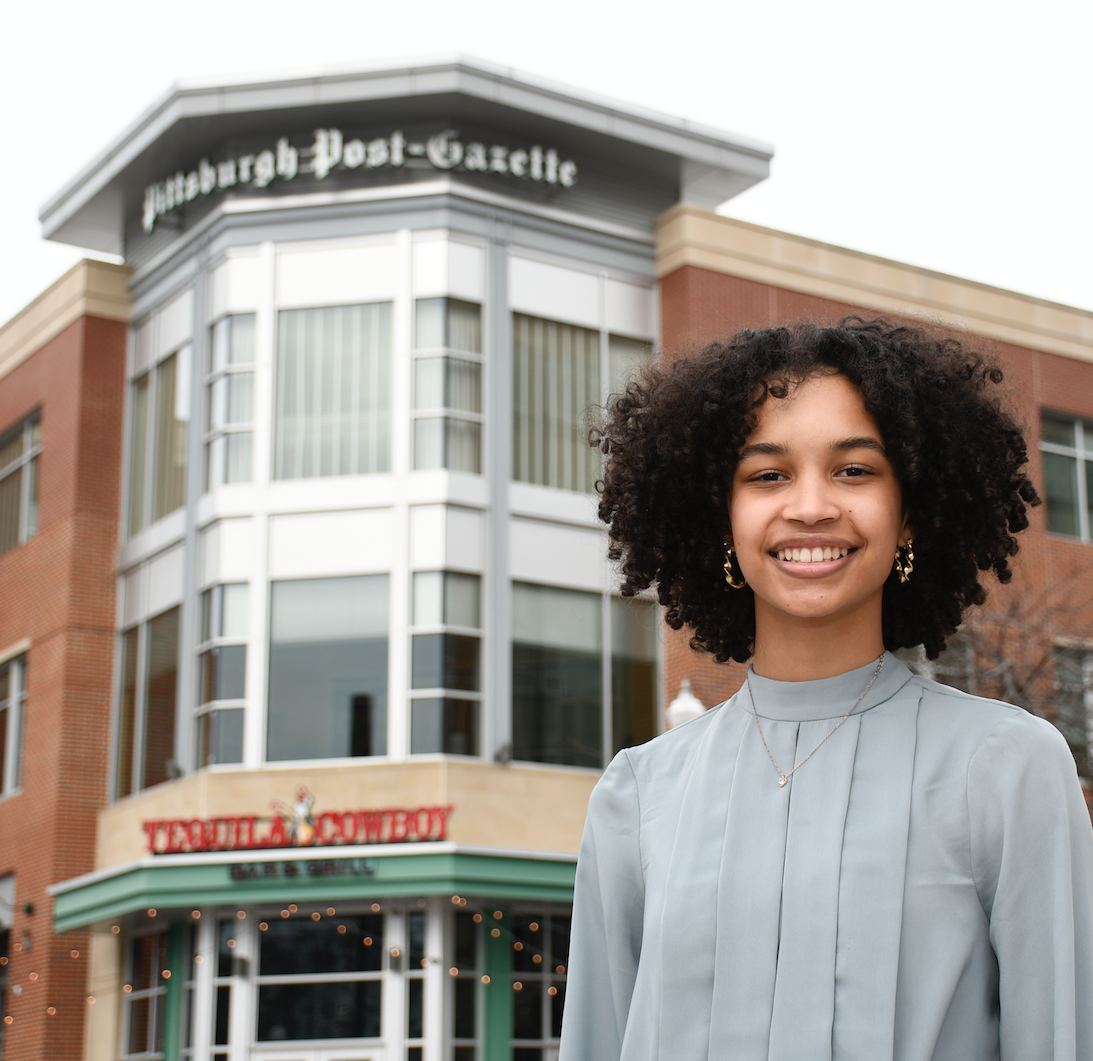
950,134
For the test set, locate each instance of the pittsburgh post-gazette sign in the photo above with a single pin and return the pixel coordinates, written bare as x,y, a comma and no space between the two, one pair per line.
294,825
330,151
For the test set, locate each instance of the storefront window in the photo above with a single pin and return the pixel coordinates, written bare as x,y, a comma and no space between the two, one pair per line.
625,359
333,404
159,420
229,402
445,663
13,695
145,994
556,380
540,959
328,668
145,735
19,451
320,979
448,388
222,674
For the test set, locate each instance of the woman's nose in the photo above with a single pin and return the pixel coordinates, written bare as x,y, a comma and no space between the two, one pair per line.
810,500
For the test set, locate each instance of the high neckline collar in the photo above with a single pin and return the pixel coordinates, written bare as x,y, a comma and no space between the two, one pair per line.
826,697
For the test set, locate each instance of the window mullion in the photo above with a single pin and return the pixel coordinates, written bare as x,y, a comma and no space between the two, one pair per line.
140,708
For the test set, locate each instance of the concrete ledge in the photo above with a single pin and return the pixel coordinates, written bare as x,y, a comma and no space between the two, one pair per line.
90,288
689,235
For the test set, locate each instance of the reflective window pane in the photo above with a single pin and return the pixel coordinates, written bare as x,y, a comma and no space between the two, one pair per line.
633,672
162,694
465,1015
625,359
223,673
1057,429
220,737
527,1010
1061,493
345,1010
302,946
444,725
557,676
328,668
446,661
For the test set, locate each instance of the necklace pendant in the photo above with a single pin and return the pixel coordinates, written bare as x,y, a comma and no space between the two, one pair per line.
783,781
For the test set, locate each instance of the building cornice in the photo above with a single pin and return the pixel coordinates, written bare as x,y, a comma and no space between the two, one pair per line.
688,235
89,289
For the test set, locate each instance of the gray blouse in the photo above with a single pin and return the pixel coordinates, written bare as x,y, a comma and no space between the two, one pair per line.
922,888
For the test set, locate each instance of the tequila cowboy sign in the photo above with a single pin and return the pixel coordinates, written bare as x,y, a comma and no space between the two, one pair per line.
331,151
296,825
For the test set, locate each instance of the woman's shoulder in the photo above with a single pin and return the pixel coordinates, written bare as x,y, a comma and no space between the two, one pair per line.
987,729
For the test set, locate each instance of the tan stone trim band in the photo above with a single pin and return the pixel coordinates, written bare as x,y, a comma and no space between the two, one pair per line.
689,235
90,288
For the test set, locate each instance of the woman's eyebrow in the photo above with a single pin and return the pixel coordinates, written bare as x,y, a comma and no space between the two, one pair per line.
765,449
779,449
859,442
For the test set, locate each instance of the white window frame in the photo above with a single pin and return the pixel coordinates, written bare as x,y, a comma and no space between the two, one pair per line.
444,412
212,375
1082,453
204,645
30,429
16,713
158,989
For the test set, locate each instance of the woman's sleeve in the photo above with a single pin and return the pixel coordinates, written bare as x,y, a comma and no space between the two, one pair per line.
608,906
1032,856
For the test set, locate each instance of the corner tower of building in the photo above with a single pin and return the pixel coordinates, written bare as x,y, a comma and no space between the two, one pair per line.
369,662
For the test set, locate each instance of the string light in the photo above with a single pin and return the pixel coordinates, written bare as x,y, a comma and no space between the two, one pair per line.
151,911
341,930
74,953
51,1010
262,926
485,979
292,908
195,914
453,971
517,986
330,911
115,929
241,914
375,908
91,1000
316,916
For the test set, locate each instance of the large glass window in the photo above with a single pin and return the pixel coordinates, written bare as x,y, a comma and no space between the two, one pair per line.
333,406
145,996
13,695
446,663
1067,446
540,957
159,420
222,674
145,749
320,977
633,672
448,385
229,402
328,668
556,379
1074,709
563,646
19,450
557,676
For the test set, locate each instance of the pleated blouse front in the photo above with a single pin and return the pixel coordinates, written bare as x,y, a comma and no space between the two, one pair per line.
922,888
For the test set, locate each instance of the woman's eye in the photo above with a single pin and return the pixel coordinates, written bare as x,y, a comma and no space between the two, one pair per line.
768,477
854,472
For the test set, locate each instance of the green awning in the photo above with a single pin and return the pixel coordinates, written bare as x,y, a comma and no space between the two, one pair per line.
168,883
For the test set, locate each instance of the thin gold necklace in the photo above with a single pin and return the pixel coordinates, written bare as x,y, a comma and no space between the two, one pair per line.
783,779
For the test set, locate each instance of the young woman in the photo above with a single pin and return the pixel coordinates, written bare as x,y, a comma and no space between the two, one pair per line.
844,861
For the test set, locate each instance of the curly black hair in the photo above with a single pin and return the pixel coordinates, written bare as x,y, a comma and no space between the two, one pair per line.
671,442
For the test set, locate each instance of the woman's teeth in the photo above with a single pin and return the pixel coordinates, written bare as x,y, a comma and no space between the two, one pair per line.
810,556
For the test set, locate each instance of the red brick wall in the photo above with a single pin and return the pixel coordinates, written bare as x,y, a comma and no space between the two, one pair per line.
57,590
698,306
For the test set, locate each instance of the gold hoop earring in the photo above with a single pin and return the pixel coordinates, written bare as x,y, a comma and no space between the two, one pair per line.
728,570
905,561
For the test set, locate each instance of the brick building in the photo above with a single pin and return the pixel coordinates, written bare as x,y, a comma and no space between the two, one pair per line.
325,651
62,371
